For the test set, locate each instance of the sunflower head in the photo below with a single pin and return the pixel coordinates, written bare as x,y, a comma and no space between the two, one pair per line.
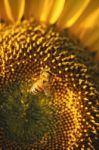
49,80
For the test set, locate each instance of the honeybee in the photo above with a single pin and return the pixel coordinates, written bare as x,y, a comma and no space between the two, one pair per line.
43,83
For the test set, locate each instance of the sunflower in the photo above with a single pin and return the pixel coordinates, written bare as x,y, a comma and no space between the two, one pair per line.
49,74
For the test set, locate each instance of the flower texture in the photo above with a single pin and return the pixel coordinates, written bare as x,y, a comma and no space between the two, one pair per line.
49,75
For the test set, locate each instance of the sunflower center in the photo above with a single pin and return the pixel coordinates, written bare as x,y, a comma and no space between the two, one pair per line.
30,115
26,116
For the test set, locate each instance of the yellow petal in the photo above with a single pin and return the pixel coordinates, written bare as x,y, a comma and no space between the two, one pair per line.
87,20
87,26
30,8
44,10
71,12
37,8
56,10
91,26
3,15
91,38
14,9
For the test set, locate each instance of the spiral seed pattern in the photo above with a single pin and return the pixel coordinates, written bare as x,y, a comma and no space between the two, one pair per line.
68,119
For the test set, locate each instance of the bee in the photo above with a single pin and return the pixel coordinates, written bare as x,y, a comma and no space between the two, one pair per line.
43,83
